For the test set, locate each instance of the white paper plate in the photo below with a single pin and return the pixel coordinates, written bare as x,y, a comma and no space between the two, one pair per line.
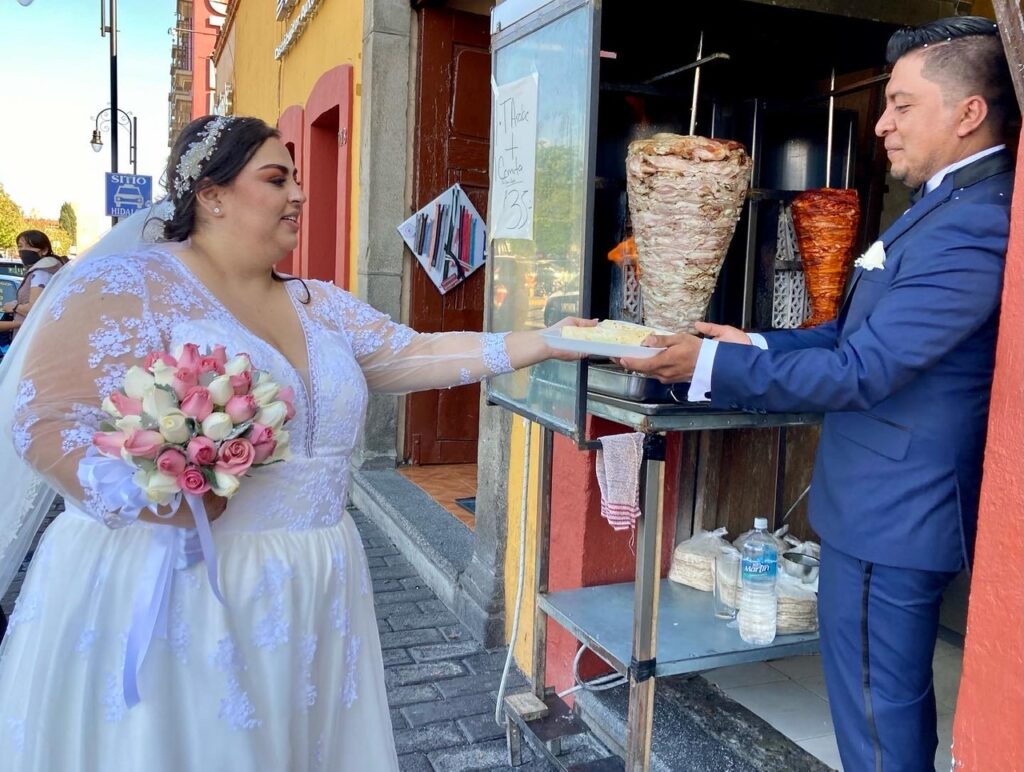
597,348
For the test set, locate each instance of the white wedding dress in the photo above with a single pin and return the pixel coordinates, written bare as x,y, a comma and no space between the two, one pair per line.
288,674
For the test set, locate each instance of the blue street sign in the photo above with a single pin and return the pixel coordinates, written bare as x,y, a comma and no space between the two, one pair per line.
127,193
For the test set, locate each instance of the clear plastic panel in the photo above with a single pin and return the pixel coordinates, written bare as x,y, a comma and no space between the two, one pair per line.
537,281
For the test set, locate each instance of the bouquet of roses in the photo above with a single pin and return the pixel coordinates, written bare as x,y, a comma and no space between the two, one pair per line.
185,425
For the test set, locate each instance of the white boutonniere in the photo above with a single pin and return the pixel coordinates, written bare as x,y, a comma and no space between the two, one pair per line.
873,258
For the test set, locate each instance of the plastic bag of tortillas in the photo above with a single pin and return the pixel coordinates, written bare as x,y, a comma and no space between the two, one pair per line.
693,561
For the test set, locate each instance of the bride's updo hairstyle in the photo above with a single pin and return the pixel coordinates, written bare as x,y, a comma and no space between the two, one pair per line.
211,150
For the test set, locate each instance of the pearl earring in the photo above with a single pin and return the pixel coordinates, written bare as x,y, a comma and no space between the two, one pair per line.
216,210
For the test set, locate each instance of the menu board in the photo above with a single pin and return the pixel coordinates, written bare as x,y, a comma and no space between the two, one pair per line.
515,157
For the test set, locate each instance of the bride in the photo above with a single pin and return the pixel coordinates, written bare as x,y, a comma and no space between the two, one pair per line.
286,674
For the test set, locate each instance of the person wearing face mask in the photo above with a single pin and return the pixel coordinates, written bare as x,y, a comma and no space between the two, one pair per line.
41,264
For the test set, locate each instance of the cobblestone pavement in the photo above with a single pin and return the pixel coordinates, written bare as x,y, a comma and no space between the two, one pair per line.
442,684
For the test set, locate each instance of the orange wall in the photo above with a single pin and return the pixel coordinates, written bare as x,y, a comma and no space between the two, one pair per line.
988,733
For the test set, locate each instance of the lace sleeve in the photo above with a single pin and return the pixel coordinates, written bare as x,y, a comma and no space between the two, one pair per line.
396,359
99,325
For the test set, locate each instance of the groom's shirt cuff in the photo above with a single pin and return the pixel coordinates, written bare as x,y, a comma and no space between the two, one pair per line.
700,384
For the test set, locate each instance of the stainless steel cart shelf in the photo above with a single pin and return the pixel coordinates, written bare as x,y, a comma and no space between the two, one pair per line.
690,638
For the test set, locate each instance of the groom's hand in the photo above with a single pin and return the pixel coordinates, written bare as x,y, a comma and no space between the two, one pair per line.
723,333
673,365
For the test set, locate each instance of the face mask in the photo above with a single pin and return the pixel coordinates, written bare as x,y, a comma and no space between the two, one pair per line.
29,257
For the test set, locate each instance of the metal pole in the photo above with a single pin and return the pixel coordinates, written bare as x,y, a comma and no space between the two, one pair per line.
113,91
134,139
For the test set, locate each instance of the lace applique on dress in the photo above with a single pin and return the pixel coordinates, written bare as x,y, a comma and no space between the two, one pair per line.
307,689
351,691
114,706
23,420
85,641
236,708
495,354
16,726
272,628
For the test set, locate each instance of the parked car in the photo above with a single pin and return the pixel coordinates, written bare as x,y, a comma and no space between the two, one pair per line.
8,288
10,267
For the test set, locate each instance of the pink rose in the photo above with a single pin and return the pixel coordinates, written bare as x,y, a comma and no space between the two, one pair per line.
201,451
185,378
263,442
220,355
197,403
241,408
171,462
159,356
190,356
241,383
143,443
109,443
192,481
210,365
236,456
126,405
287,395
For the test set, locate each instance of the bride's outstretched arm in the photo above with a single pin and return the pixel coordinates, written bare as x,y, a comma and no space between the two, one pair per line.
396,359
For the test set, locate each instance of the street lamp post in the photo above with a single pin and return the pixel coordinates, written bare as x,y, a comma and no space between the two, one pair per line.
112,29
103,121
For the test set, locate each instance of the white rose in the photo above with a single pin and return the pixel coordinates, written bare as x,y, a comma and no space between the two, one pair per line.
237,365
873,258
282,451
157,403
220,390
128,423
174,427
110,409
272,415
217,426
163,373
225,484
137,382
158,487
265,392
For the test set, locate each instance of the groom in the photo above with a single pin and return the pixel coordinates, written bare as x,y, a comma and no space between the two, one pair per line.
903,377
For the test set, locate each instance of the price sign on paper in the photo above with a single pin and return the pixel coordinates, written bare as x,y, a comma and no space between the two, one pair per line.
514,158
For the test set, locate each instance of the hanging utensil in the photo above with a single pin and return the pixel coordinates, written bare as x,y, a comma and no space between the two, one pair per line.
831,117
696,85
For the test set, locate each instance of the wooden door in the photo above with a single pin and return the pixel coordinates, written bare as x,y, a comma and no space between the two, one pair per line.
453,109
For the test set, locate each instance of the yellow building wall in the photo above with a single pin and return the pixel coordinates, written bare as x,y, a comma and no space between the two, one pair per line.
524,639
266,87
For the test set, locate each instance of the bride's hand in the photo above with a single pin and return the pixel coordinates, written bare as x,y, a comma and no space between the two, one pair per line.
183,518
569,321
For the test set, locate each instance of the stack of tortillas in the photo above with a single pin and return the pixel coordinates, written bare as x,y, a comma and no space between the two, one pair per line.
798,606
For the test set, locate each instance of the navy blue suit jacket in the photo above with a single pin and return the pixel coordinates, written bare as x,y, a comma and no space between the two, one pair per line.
903,377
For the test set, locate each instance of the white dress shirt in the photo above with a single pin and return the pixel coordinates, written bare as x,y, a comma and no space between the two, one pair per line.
700,384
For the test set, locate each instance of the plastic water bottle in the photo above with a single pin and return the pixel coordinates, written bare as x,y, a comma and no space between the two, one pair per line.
758,571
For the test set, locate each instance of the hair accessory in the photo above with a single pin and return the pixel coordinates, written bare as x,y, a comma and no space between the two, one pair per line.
190,164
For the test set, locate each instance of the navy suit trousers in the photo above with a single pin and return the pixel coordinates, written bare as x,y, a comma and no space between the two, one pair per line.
878,630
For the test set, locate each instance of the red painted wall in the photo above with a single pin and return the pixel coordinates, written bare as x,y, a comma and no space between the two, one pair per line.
988,732
207,18
585,551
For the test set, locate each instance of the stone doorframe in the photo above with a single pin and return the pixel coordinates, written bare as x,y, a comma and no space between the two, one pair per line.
386,131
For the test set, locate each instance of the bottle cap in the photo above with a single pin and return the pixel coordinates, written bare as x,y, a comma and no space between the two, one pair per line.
761,523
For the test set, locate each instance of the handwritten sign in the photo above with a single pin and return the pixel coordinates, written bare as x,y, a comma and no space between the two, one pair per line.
515,158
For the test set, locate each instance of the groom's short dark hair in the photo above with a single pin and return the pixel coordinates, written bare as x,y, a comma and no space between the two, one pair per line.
963,54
